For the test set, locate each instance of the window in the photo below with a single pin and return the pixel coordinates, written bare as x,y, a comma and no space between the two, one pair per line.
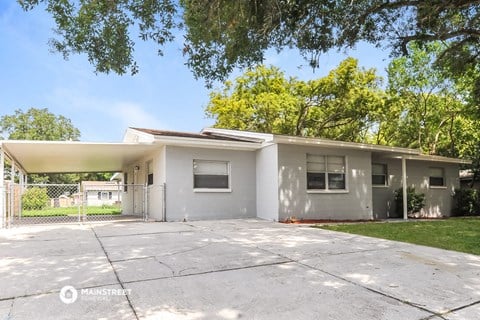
325,172
209,174
125,182
149,173
379,174
104,195
437,178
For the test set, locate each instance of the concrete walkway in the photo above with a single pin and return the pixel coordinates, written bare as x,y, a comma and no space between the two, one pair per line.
228,269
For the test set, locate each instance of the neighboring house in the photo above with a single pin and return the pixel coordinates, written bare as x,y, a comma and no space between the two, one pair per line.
99,193
218,174
466,177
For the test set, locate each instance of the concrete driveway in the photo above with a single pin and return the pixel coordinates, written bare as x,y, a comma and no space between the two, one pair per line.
228,269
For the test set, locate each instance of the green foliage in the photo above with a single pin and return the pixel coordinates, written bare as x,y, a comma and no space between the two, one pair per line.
35,199
467,202
426,110
415,201
341,105
37,124
71,211
101,29
221,35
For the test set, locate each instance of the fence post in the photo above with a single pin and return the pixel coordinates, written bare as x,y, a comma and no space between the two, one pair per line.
164,202
145,202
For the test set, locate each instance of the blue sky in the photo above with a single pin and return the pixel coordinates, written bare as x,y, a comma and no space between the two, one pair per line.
163,95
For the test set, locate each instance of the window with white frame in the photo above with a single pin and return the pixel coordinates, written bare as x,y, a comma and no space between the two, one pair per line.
437,177
211,174
379,174
325,172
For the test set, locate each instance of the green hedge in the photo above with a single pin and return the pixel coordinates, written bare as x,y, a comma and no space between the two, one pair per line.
35,199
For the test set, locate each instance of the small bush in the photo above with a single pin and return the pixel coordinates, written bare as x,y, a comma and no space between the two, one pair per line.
35,199
415,201
467,202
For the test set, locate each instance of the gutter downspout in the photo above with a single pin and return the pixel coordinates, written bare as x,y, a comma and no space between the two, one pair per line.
404,188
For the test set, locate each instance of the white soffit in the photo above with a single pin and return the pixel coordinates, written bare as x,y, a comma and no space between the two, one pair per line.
73,156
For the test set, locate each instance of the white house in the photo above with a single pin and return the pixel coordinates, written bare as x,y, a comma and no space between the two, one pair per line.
100,193
220,173
234,174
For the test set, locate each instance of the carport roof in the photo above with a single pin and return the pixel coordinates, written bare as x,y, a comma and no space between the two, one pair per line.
73,156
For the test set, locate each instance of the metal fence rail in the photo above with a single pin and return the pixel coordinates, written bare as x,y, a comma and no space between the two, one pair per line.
43,203
80,203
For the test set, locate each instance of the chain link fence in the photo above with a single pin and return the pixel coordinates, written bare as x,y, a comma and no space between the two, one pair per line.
73,203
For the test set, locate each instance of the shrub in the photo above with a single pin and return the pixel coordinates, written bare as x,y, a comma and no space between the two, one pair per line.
415,201
467,202
35,198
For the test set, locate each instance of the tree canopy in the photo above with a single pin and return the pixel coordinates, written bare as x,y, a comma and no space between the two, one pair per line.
340,105
37,124
420,107
223,34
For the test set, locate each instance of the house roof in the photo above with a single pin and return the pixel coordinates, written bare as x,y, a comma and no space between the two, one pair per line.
75,156
100,186
201,135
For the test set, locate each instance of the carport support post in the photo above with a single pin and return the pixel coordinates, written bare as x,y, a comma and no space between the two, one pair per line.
404,188
3,211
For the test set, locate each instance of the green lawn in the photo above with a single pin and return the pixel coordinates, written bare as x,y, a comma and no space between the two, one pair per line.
49,212
458,234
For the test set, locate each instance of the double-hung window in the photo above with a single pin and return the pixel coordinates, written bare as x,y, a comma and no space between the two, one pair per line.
325,172
437,177
379,174
211,174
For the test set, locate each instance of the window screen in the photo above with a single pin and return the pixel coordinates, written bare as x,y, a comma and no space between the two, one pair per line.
210,174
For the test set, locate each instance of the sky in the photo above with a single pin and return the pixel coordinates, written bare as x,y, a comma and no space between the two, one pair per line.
163,95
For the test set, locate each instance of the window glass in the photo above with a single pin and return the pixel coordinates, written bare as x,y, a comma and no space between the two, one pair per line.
379,174
211,174
149,173
436,178
325,172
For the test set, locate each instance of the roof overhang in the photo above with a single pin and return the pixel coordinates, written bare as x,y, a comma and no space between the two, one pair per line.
73,156
343,145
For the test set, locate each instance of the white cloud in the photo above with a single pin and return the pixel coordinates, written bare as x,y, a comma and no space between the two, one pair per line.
133,115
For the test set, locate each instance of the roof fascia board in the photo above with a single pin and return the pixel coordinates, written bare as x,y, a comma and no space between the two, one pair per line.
436,159
342,144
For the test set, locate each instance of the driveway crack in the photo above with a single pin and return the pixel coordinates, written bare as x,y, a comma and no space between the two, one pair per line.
116,274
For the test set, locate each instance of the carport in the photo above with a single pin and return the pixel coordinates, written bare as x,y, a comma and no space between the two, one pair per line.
38,157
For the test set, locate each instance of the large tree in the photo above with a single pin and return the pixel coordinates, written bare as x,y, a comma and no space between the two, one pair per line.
340,105
37,124
223,34
426,108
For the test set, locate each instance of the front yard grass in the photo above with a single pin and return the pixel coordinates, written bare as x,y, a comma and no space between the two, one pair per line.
69,211
458,234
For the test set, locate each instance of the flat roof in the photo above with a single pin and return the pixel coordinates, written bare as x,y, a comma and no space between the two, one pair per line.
73,156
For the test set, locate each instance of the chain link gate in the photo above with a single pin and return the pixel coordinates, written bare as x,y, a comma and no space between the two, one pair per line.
112,201
73,203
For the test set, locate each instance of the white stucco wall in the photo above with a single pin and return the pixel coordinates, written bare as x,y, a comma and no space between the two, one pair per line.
296,201
438,200
183,203
267,183
155,198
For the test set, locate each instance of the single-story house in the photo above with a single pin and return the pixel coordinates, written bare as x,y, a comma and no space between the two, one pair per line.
100,193
219,173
